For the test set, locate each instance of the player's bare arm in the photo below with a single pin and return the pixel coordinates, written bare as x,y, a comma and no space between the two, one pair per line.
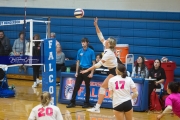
98,31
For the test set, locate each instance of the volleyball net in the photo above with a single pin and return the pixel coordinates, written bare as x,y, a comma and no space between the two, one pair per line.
48,50
12,28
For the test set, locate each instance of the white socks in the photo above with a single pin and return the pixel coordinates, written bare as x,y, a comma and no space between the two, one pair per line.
97,105
34,85
38,81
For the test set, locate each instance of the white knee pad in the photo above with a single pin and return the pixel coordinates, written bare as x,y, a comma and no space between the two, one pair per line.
102,90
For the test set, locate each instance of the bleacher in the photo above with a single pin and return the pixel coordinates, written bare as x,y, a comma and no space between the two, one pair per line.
151,34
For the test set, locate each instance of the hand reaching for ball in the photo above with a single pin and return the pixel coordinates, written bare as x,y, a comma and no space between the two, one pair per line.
95,21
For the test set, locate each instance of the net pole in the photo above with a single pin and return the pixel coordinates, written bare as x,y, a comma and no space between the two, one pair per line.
31,37
24,27
48,27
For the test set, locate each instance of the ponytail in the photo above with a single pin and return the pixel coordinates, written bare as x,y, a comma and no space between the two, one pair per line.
122,70
45,98
124,75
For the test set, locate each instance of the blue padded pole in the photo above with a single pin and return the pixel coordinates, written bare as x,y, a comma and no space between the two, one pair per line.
49,74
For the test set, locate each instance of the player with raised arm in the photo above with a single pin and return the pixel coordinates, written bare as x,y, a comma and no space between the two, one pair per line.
45,111
108,60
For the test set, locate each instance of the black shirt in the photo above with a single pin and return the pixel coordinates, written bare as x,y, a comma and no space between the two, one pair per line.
6,44
157,74
37,51
2,52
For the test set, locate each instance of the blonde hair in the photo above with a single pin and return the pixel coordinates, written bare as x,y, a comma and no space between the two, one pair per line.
112,42
45,98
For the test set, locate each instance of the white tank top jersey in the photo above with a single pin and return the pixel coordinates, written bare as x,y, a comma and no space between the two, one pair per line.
121,89
109,58
49,112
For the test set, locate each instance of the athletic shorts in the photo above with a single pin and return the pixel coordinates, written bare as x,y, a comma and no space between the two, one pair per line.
124,107
112,71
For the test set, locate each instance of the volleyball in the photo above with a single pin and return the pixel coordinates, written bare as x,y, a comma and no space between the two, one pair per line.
164,59
79,13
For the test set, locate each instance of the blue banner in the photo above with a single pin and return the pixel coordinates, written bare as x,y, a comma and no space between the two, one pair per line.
20,60
137,101
68,86
49,75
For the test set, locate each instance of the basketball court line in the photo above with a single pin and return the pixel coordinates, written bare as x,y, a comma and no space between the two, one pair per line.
74,112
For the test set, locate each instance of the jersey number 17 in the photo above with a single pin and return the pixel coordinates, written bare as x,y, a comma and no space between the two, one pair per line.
119,83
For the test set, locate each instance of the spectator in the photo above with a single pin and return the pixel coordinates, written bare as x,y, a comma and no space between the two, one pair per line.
140,68
60,59
5,43
53,35
18,49
101,71
35,37
1,50
98,57
36,53
18,45
2,74
158,73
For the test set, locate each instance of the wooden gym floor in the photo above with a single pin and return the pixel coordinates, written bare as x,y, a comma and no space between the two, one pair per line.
19,107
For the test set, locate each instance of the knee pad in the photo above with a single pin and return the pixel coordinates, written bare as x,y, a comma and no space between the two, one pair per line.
102,90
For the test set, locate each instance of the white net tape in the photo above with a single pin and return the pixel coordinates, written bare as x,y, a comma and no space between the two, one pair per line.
20,22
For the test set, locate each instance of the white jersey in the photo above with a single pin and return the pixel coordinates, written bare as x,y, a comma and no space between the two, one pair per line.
109,58
121,88
49,112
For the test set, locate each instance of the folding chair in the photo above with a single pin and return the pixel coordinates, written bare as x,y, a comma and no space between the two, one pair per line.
129,60
4,82
4,88
161,90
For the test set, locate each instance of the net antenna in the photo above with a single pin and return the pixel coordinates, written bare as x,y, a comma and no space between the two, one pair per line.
48,28
24,28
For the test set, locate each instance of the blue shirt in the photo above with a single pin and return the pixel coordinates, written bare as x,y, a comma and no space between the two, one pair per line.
85,57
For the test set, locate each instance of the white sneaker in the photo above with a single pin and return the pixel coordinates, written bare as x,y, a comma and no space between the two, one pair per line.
94,110
34,85
34,89
38,81
68,115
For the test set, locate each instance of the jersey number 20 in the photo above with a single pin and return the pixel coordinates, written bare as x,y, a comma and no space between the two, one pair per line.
121,83
45,112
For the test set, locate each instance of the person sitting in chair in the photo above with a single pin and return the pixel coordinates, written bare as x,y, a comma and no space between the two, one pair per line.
140,69
158,73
